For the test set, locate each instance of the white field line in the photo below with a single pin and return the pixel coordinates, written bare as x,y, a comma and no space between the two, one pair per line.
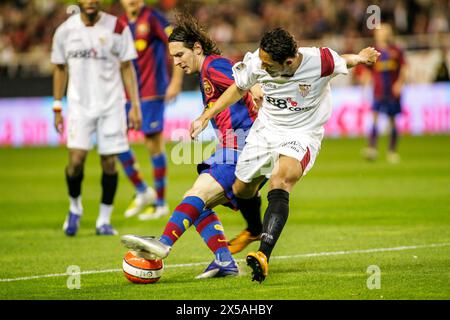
304,255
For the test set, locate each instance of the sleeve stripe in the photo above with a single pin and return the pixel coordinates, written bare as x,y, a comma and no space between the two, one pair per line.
327,62
120,26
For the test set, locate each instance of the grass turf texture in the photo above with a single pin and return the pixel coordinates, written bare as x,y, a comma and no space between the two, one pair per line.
344,203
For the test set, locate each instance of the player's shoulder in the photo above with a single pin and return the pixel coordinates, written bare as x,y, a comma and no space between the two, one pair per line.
250,62
309,51
70,23
69,26
219,62
397,48
113,23
156,14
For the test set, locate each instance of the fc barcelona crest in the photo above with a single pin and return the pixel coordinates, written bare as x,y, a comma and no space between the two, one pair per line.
208,88
304,89
142,29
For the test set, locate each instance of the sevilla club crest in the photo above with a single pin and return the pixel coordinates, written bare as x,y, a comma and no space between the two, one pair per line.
304,89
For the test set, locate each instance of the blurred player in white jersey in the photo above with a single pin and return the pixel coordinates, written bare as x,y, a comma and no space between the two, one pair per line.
93,50
286,137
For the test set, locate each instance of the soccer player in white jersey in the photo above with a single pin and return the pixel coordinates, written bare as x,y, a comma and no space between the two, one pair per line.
94,51
286,137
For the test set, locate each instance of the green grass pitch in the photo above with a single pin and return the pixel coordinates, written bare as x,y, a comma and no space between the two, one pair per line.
345,207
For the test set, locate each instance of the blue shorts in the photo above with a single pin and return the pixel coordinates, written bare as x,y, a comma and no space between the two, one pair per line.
389,107
152,116
221,166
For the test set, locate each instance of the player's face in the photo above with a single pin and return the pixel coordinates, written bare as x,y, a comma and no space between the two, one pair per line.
183,57
131,5
272,67
383,33
90,7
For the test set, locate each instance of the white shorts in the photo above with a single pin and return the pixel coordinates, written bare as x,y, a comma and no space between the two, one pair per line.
263,149
110,131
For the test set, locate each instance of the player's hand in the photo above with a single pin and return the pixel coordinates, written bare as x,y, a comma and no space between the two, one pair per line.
59,122
135,117
197,126
258,96
369,55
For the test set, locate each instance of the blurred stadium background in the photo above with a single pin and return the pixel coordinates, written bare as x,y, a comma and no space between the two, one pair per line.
346,204
422,28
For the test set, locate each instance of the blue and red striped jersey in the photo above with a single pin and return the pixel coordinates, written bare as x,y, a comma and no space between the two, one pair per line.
150,32
386,72
234,122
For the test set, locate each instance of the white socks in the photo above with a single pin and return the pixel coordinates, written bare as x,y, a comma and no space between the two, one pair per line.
104,216
75,205
105,212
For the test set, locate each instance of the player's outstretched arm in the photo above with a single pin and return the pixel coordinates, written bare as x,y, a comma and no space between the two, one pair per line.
229,97
60,75
367,56
129,79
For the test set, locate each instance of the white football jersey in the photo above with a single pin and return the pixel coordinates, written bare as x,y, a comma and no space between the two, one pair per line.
297,104
93,55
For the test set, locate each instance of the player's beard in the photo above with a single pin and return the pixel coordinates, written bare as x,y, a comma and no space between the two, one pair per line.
90,16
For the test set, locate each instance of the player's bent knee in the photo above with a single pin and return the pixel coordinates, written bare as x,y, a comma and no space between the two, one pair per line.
243,191
109,164
284,183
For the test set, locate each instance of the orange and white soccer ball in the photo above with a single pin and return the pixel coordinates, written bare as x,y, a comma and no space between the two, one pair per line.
138,269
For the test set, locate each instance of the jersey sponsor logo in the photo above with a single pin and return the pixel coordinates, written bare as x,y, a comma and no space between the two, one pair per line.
84,54
142,29
294,145
208,88
288,104
304,89
140,44
269,85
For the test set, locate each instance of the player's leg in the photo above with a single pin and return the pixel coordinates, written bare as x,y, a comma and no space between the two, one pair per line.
79,129
286,174
253,164
249,203
152,126
74,177
112,140
145,195
156,147
371,152
205,191
109,182
211,230
392,154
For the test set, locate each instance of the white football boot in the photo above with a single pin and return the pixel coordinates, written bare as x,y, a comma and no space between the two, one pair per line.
153,213
149,245
140,202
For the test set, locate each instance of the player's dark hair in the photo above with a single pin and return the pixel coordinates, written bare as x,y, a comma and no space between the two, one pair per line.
188,30
279,44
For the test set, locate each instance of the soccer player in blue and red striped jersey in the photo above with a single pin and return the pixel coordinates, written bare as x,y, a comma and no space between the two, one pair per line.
194,52
150,31
389,75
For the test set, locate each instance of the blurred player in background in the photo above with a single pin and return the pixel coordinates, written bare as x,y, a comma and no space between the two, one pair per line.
388,75
286,137
194,52
150,31
94,51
